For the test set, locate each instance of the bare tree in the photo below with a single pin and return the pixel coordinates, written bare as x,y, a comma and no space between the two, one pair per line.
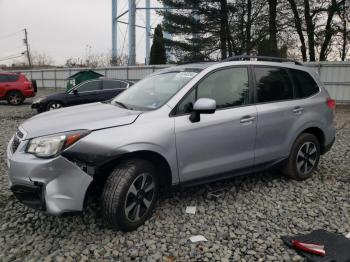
41,59
299,28
273,27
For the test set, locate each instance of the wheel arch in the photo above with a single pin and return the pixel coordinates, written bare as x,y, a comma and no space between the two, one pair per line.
317,132
161,165
13,90
314,128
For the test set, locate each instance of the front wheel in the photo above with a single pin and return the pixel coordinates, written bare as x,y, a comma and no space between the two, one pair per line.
304,157
130,194
54,105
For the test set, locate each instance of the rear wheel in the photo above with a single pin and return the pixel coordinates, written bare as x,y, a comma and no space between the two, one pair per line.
15,98
304,157
54,105
130,194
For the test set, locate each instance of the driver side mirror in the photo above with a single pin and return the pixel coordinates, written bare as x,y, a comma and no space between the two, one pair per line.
75,91
202,106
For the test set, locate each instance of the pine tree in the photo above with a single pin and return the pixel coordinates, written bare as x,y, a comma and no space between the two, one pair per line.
200,29
158,53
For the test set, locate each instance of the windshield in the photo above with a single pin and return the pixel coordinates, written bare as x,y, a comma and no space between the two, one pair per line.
153,91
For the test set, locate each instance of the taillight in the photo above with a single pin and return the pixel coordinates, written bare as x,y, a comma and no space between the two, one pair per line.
331,103
28,84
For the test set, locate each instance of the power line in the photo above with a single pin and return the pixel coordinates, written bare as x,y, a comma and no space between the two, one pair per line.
10,35
12,56
15,49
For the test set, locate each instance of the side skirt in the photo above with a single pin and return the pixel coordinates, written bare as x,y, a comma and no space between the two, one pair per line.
234,173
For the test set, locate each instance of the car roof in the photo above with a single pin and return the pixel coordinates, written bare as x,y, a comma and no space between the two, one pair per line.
189,67
203,65
114,79
9,73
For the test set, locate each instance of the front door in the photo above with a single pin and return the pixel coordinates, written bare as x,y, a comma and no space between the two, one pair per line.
87,92
219,142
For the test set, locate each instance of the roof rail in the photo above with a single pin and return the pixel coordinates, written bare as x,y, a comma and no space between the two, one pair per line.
260,58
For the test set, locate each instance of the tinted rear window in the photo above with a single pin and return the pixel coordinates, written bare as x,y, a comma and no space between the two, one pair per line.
305,85
273,84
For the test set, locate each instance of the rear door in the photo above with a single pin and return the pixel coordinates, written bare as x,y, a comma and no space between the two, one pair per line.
8,82
219,142
277,112
87,92
112,88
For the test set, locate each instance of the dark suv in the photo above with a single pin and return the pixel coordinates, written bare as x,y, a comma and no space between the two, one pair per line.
15,88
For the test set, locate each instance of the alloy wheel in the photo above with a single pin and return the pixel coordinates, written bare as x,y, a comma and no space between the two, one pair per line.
15,99
139,197
55,106
306,158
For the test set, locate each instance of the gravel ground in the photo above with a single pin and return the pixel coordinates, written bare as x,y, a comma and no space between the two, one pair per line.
244,223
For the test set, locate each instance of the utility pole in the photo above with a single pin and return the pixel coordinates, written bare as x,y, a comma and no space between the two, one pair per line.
148,30
114,31
27,45
132,32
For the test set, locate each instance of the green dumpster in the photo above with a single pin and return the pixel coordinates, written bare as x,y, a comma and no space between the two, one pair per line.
80,77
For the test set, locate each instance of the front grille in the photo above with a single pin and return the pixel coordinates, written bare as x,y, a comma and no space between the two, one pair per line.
15,144
31,196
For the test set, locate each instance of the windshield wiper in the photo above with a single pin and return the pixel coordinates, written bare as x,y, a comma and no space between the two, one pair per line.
121,104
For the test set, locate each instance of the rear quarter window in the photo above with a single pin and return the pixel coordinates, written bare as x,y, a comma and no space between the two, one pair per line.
305,85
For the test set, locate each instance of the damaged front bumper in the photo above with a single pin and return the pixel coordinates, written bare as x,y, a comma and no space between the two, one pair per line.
56,185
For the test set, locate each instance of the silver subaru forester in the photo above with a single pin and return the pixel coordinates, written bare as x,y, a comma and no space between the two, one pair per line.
184,125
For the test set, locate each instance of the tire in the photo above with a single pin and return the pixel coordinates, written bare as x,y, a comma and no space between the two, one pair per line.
130,186
15,98
54,105
304,157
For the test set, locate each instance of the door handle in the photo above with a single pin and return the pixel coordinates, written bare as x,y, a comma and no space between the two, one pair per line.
247,119
298,110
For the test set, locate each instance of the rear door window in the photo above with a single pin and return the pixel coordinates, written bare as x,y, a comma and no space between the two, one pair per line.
272,84
305,85
12,78
90,86
113,84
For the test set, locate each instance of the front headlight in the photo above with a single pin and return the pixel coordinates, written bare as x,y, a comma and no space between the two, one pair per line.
38,100
50,146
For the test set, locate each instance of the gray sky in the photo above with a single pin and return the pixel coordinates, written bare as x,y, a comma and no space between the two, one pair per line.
63,28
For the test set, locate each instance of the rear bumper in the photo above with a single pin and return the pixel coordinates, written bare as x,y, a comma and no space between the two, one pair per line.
327,147
27,93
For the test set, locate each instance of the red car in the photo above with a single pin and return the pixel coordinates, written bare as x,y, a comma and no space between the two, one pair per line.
15,88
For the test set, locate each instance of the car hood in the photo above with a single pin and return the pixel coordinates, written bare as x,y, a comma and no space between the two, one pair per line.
90,116
57,96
